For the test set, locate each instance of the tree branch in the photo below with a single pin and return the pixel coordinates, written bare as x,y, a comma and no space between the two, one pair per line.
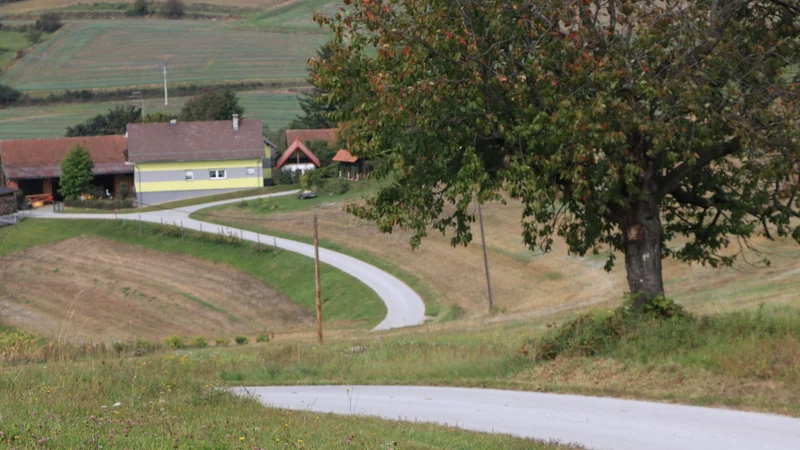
673,179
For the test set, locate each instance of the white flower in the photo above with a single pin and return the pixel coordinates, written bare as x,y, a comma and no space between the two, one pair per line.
117,405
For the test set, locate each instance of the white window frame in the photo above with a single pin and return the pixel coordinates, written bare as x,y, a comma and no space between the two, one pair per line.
250,171
214,174
189,175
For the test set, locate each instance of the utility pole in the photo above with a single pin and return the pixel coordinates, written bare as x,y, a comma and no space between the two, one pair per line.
166,98
316,276
485,258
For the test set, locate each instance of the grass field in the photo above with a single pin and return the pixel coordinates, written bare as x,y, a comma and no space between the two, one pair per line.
294,16
345,300
275,108
525,283
26,6
10,43
116,53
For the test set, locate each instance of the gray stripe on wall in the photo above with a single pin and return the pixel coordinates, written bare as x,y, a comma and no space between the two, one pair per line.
199,174
154,198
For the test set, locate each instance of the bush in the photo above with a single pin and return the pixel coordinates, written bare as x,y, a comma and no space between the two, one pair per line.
335,186
262,338
34,36
8,95
592,335
174,341
139,8
174,9
199,342
284,177
48,22
241,340
220,342
76,172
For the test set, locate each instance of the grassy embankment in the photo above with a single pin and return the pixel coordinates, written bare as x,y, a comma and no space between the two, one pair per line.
191,201
345,299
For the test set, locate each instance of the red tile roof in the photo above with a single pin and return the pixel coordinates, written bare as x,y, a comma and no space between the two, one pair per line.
345,156
328,135
297,145
41,158
195,141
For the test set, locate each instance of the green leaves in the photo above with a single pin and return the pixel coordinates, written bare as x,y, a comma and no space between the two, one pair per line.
76,173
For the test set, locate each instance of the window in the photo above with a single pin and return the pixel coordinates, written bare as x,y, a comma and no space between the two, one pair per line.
189,175
217,174
251,170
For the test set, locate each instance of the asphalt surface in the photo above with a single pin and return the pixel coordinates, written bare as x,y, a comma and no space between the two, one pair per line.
404,307
594,422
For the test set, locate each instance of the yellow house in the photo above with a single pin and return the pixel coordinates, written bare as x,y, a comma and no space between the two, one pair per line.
179,160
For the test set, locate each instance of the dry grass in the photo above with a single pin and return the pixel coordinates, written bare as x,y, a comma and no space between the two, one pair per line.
529,283
27,6
81,286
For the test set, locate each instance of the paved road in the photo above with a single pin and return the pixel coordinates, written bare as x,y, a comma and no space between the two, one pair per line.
404,307
598,423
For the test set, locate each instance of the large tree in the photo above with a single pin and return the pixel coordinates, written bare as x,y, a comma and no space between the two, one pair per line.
315,105
658,128
212,105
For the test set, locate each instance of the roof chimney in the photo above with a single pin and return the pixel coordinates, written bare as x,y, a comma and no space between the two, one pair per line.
173,121
235,121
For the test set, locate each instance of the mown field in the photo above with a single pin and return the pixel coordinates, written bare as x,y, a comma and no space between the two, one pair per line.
27,6
117,53
275,108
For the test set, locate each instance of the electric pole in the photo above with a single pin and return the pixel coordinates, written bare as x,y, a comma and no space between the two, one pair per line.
166,98
316,276
485,258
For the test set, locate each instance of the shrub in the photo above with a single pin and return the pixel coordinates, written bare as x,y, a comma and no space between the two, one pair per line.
284,177
199,342
139,8
174,9
174,341
48,22
263,337
241,340
335,186
220,342
219,104
592,335
8,95
34,36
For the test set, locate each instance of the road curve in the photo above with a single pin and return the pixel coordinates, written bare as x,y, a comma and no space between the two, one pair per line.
594,422
404,307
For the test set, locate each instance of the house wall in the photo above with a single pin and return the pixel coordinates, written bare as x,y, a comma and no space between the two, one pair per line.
166,181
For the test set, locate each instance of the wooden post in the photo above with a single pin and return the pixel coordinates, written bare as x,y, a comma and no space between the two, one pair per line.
485,259
140,224
316,277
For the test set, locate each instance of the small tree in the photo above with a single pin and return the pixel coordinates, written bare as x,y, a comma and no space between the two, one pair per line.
115,121
33,35
158,117
48,22
212,105
323,150
174,9
76,172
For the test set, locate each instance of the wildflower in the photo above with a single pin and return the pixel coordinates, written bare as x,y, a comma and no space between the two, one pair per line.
299,441
117,405
241,438
42,441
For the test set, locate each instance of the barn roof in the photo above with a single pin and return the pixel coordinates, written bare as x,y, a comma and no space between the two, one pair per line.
41,158
328,135
345,156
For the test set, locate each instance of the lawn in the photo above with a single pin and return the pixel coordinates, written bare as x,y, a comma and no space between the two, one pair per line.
275,108
294,16
10,42
173,401
116,53
345,299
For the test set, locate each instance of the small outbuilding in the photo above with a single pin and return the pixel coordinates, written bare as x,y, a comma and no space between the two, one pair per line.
351,167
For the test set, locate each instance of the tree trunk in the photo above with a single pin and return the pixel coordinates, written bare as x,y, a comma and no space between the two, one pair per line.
642,242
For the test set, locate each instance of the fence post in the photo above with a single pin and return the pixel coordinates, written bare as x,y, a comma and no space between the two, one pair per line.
140,224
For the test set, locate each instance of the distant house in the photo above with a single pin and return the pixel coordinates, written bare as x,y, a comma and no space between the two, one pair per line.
34,165
8,200
350,166
179,160
297,156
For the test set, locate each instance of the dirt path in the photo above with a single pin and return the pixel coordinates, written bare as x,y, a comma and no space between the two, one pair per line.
111,290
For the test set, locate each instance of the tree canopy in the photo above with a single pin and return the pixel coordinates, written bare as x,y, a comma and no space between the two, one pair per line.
115,121
76,172
659,128
315,105
212,105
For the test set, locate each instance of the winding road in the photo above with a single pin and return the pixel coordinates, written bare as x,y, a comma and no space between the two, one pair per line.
601,423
